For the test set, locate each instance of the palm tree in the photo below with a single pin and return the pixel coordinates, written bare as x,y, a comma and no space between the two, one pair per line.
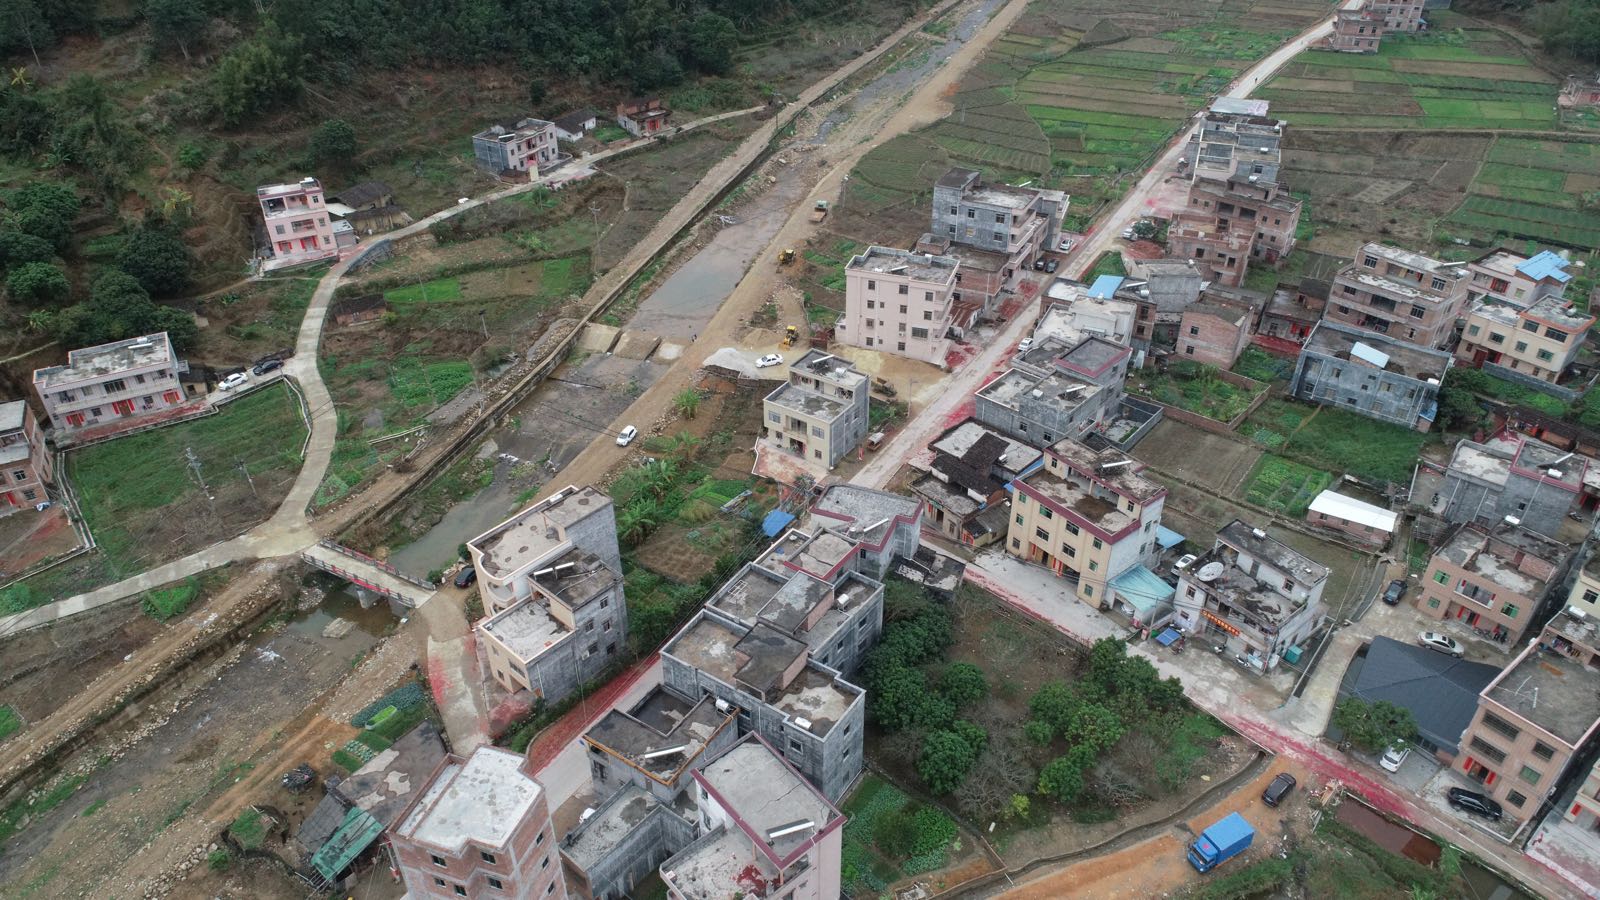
41,320
687,402
636,521
680,446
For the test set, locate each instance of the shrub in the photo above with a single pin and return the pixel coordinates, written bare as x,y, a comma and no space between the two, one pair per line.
250,829
963,683
168,603
219,860
932,830
945,760
894,834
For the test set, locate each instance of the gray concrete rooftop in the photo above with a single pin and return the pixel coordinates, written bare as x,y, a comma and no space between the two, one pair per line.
818,697
1125,477
536,532
579,577
746,593
1101,513
791,605
659,722
527,629
1550,465
95,362
1059,389
1558,694
1481,462
764,794
721,866
483,800
1254,600
1268,549
861,507
1411,360
920,266
11,415
1554,311
1471,549
1417,261
614,820
808,403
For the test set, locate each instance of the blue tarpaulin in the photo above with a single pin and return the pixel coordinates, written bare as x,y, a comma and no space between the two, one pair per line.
1143,590
1104,287
1168,636
775,522
1167,538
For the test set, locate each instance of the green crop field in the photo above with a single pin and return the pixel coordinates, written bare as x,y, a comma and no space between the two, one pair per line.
1534,190
1285,486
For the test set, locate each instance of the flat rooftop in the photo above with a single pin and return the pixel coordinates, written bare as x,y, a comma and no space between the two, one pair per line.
536,532
1073,321
661,733
1560,313
798,399
1110,466
1270,550
1417,261
921,266
818,553
1558,694
12,415
822,364
973,259
1409,360
765,795
1549,465
1057,388
512,130
1255,600
1481,462
1472,550
862,507
757,659
578,576
1001,195
818,697
613,821
1097,511
482,800
107,359
526,629
1092,357
743,596
789,607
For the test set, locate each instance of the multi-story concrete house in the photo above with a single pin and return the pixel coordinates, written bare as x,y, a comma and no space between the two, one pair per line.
1238,209
1069,315
1018,222
1371,374
524,147
1493,578
964,487
1168,288
1405,295
804,708
299,229
1515,476
820,414
551,581
1356,31
1536,343
481,828
25,464
766,832
884,527
900,302
1216,330
1090,515
1533,719
1053,394
1503,276
1585,594
120,381
1262,598
1399,16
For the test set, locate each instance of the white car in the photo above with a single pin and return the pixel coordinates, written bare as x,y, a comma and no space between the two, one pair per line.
1184,562
237,379
1024,345
771,359
1433,640
1065,245
626,436
1394,758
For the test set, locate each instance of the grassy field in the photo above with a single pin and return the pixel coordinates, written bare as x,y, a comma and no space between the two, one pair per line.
1533,189
10,723
1078,95
1333,440
1194,388
1285,486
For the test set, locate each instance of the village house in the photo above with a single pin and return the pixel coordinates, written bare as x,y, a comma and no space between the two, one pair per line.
1370,374
366,208
900,302
885,527
25,463
1494,578
1167,288
820,413
575,125
358,310
1216,330
1355,30
1533,719
1071,316
1511,475
965,484
297,223
980,281
1574,634
1090,515
551,582
1069,396
642,116
1262,598
1017,222
1439,690
1585,594
1405,295
116,382
1537,343
523,148
364,195
481,828
1504,276
1399,16
1353,518
1580,91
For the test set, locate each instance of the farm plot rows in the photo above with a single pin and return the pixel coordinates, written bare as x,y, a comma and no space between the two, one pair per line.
1535,190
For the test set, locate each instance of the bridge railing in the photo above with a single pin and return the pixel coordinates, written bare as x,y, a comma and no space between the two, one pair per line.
342,550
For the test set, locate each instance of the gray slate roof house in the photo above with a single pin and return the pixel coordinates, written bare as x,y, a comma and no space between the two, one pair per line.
1441,691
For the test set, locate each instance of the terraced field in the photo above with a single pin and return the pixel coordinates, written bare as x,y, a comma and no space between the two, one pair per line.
1534,189
1078,95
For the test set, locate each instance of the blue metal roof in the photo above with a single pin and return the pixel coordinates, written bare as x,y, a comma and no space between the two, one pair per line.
1547,264
1105,286
1143,589
776,521
1167,538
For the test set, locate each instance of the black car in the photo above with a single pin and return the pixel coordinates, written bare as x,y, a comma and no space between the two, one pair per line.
267,365
466,577
1038,264
1474,802
1395,590
1050,266
1278,789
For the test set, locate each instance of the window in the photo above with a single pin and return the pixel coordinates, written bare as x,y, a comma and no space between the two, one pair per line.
438,861
1545,356
1194,329
902,309
1418,312
1188,349
19,474
1440,577
544,863
1496,337
460,891
904,290
901,346
1068,549
496,883
1041,534
1433,603
1543,751
550,888
1019,520
1559,337
1530,774
1437,283
1472,330
1516,799
1016,543
1094,566
927,315
872,304
927,296
1530,325
1509,610
487,857
437,881
1046,513
30,495
871,285
999,218
919,333
1522,346
1490,751
972,214
774,417
1088,590
1098,544
953,210
1071,528
1370,261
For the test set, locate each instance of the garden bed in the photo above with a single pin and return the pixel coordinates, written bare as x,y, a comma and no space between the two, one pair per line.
1335,440
1200,390
1284,486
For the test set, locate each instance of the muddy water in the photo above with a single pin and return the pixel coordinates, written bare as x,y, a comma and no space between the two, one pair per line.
1403,841
439,546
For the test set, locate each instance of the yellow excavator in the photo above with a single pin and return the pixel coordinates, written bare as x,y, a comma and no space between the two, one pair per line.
790,336
785,256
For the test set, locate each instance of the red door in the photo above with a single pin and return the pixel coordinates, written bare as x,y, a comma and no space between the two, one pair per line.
172,396
122,407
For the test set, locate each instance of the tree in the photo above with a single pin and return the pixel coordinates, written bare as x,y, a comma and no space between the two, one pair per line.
687,402
257,75
46,210
175,23
894,834
1062,778
972,733
1373,727
1093,726
119,307
22,26
37,284
945,760
711,43
157,257
333,144
963,683
536,91
192,156
1458,403
17,247
1053,704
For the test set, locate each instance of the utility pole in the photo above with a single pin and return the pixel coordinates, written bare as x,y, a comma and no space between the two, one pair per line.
251,481
194,466
484,324
594,212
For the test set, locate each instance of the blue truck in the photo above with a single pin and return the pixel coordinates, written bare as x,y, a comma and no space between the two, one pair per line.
1221,842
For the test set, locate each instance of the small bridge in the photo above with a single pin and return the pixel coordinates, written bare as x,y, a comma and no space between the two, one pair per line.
371,574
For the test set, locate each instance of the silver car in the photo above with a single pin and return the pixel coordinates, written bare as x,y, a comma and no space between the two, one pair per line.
1433,640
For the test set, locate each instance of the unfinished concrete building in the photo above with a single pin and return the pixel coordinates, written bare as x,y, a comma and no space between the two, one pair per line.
1510,476
1371,374
1357,30
1168,288
1407,296
884,526
1079,392
821,413
1014,221
1399,16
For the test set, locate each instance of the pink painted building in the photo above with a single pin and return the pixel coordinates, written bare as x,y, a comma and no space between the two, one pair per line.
900,302
25,464
299,229
480,828
101,384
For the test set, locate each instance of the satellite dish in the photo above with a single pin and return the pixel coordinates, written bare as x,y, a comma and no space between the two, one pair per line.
1211,571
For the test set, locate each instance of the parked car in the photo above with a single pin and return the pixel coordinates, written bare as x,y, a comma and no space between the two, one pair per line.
1395,590
1183,562
626,436
466,576
267,365
1278,789
1475,803
1038,264
1394,757
232,381
1024,345
1065,244
771,359
1050,266
1433,640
